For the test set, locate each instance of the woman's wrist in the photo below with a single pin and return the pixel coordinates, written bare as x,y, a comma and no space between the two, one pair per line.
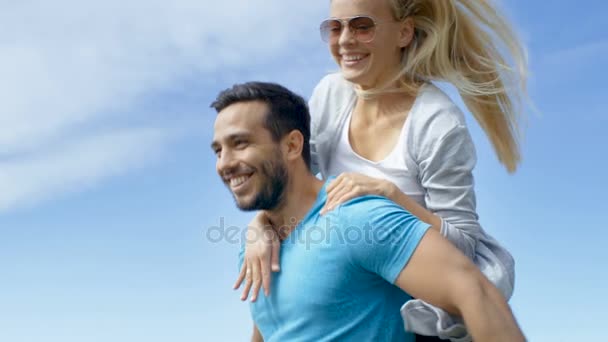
389,190
435,221
259,223
392,192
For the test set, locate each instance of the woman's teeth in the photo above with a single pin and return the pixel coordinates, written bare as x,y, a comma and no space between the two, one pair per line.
353,58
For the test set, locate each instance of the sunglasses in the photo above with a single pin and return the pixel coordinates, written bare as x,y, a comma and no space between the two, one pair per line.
363,28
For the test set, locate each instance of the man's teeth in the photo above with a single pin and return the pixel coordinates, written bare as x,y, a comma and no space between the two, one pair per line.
352,58
238,180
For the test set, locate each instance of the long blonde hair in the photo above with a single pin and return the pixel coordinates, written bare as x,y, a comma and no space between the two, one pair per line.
468,44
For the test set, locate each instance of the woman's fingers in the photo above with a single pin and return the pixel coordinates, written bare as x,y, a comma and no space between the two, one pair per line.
241,276
335,197
261,258
346,197
332,189
276,249
248,282
256,272
266,273
334,183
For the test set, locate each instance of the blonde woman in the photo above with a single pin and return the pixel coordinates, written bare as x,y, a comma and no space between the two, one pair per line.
385,129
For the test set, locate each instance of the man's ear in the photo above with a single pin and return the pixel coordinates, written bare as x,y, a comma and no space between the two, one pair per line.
293,145
406,32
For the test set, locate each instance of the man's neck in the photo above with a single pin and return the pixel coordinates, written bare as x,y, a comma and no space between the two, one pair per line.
300,195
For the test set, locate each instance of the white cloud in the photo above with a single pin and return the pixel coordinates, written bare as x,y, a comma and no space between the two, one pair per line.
70,64
76,165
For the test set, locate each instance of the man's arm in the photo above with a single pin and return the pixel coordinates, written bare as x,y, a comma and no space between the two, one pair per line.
440,274
256,337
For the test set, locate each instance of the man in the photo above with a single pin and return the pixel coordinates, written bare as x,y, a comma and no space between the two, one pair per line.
349,286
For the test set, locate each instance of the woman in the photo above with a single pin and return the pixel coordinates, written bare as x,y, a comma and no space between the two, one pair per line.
387,130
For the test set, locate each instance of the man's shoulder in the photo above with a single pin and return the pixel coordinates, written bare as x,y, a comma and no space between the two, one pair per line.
368,201
369,208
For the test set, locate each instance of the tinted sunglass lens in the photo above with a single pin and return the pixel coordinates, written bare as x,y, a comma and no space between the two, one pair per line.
364,28
330,29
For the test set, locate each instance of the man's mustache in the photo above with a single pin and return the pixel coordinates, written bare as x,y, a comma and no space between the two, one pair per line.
237,170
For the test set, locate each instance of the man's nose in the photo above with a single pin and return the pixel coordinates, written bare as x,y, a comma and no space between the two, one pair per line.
225,162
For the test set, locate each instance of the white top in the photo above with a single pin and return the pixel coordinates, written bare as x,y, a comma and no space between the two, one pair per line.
439,158
392,168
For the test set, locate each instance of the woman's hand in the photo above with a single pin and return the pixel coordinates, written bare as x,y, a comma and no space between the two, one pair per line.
350,185
261,257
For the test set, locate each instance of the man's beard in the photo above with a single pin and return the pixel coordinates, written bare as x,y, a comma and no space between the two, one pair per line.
273,183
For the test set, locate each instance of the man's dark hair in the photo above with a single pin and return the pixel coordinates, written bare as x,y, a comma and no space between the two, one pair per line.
287,110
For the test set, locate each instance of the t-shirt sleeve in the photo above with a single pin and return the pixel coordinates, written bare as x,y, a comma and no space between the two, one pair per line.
390,236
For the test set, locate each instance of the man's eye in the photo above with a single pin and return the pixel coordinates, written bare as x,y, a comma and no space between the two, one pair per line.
240,143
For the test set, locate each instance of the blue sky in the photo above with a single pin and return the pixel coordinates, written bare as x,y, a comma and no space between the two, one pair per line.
107,182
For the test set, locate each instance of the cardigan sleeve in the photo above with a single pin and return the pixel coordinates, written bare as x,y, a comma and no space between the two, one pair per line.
315,106
327,105
445,157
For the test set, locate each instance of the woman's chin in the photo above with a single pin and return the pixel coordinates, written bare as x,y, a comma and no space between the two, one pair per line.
353,76
359,80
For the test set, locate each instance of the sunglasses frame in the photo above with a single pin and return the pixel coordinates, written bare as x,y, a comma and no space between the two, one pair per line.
346,22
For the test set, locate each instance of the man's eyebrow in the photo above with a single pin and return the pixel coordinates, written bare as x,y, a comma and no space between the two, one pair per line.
231,137
239,135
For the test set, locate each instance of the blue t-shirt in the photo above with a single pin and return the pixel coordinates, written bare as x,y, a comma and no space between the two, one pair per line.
337,275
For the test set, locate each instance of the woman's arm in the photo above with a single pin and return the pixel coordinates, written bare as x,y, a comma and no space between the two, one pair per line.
349,185
445,170
261,257
445,157
396,195
464,234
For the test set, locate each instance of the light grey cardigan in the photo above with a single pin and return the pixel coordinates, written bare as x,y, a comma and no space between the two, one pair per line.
441,156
